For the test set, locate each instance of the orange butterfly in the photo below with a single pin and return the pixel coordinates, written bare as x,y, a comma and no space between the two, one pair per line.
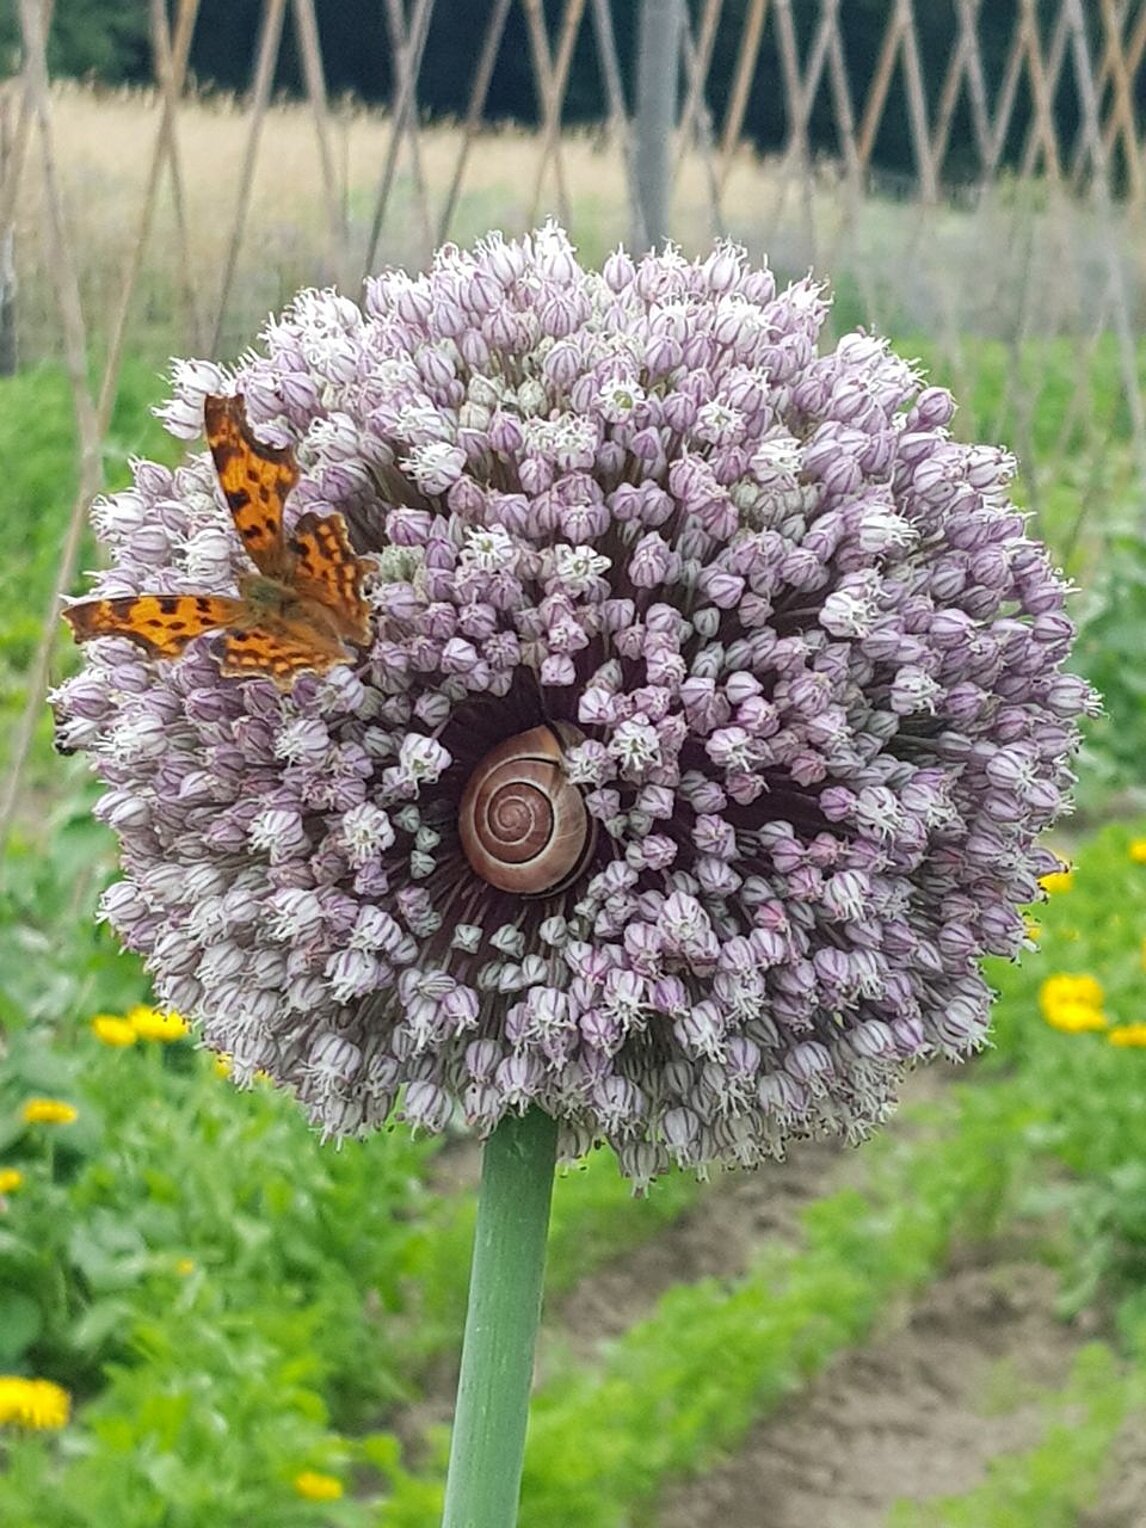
299,612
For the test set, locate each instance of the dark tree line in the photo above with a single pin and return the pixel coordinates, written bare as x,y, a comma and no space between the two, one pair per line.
108,40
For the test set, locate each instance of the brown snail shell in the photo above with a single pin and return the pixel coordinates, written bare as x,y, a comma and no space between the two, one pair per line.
523,824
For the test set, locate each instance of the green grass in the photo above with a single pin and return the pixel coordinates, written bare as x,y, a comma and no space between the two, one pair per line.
182,1246
38,446
220,1296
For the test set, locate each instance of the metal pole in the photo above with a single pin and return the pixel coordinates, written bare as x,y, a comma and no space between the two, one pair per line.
658,66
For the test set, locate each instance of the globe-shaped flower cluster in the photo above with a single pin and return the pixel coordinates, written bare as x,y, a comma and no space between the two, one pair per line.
783,638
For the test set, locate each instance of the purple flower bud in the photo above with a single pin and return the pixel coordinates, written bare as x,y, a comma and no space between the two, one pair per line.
800,664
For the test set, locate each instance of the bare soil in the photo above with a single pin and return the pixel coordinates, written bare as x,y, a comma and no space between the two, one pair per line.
916,1414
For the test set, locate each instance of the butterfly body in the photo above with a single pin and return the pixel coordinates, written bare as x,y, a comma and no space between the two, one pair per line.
267,599
271,605
267,596
300,609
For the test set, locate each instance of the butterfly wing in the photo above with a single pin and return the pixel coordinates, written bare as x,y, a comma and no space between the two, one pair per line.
281,650
327,569
255,480
163,624
302,612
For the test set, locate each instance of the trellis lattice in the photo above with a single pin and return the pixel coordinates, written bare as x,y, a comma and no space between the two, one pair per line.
973,239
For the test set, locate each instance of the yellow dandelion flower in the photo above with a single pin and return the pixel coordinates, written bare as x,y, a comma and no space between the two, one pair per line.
221,1064
34,1403
152,1024
1066,988
11,1178
48,1111
110,1029
1033,929
1056,881
1076,1018
1138,850
185,1267
1128,1034
317,1487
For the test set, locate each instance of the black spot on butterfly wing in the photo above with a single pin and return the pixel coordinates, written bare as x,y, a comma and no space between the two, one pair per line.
255,479
327,568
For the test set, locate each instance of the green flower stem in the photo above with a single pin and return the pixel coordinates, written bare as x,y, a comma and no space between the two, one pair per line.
488,1444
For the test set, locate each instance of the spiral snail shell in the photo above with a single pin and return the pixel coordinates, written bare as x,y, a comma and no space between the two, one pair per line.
522,822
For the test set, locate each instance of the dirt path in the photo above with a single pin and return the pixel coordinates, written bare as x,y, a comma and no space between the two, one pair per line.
948,1383
915,1414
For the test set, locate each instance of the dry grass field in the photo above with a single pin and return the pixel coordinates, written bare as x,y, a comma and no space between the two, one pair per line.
1018,261
297,230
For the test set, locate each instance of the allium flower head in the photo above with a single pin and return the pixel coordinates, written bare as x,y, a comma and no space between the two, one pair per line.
778,653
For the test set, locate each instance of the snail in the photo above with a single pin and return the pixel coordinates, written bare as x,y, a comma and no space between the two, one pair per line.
523,824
